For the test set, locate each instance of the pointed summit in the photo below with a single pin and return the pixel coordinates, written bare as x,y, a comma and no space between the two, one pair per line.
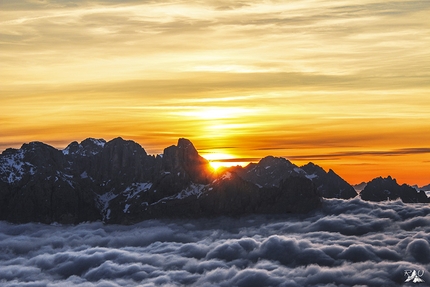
188,152
269,171
185,161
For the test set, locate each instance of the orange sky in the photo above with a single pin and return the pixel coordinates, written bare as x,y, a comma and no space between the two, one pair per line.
343,84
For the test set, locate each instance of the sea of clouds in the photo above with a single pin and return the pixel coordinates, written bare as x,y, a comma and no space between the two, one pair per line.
345,243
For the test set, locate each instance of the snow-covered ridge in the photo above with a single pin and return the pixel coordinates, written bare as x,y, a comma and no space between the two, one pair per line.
84,148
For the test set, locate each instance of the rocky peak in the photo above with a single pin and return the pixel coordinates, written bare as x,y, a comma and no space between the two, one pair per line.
185,161
329,184
187,145
122,160
32,160
45,157
72,148
119,145
39,148
313,170
87,147
269,171
380,189
121,153
93,142
269,161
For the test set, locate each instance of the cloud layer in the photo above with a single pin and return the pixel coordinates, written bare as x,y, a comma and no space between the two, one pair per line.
346,243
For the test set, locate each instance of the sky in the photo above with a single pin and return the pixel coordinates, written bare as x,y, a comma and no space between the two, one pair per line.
345,243
343,84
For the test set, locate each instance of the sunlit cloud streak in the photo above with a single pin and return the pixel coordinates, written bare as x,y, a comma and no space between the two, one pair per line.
307,75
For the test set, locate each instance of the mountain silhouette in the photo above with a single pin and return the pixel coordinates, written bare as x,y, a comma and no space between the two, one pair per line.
381,189
118,182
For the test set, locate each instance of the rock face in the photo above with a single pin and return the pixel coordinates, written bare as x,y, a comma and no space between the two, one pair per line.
234,196
230,195
272,171
329,184
36,186
118,182
381,189
269,171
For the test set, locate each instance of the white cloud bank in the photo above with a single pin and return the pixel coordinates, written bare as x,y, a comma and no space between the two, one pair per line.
347,243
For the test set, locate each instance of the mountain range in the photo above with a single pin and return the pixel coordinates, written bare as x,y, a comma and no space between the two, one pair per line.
118,182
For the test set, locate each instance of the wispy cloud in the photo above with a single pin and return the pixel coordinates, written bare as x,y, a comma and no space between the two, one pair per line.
310,74
338,155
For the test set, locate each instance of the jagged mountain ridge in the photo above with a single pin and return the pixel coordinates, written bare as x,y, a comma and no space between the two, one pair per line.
271,171
118,182
43,184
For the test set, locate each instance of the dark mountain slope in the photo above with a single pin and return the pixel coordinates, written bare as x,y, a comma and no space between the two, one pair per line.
118,182
381,189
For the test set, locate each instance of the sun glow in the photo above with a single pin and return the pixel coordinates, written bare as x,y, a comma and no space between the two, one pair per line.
240,80
215,113
219,159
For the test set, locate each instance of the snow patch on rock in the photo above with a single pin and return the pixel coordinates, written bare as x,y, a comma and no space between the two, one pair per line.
311,176
103,203
12,167
226,175
136,188
193,189
99,142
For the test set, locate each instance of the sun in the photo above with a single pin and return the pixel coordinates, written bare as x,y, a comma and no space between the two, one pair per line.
218,159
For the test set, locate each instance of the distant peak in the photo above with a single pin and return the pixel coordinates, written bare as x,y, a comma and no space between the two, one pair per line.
311,167
271,159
